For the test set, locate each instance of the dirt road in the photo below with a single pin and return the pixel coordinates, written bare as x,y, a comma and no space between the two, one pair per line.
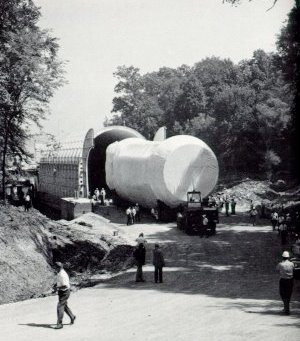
224,287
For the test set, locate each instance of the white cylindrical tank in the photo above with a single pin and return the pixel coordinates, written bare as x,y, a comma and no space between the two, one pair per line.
144,171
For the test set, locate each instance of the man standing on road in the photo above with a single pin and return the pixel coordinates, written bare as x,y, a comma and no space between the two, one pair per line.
233,204
129,216
253,216
285,268
97,194
102,196
203,227
27,203
159,263
227,207
63,290
274,219
133,214
140,257
138,213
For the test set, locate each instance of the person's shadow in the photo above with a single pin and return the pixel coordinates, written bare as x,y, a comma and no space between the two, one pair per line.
40,325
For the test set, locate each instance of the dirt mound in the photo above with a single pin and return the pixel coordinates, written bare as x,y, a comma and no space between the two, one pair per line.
28,250
25,255
261,191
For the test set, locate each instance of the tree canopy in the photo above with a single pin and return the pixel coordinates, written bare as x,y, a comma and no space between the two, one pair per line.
243,111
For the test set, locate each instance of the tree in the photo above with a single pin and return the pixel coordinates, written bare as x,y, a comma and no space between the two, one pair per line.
288,45
29,74
136,105
192,100
242,111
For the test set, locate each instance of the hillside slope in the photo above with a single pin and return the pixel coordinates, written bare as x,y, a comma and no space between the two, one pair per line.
26,251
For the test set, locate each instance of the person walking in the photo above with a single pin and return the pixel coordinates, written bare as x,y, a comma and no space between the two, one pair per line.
286,282
159,263
63,290
140,257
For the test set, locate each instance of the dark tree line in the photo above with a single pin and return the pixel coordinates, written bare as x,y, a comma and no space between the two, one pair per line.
29,74
245,112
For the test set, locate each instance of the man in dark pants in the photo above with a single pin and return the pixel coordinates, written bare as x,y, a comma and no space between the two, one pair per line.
63,290
233,204
283,233
140,257
285,268
138,213
159,263
227,207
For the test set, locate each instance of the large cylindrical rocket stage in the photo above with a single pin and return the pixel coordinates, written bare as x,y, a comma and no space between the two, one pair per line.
145,171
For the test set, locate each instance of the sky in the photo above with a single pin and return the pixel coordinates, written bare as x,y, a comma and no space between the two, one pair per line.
97,36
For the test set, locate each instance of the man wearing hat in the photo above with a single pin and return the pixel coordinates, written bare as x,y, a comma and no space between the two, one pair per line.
285,268
63,289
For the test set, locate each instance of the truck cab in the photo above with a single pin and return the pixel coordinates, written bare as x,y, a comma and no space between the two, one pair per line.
193,217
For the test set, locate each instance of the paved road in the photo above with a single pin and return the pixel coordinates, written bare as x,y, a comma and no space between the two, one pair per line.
223,287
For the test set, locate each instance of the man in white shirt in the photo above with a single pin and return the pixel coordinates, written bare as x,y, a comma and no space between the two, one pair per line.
102,196
129,216
63,289
286,268
133,213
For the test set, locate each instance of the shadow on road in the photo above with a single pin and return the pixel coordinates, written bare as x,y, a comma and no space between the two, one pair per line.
40,325
239,262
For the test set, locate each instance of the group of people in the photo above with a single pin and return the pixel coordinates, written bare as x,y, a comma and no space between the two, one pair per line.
133,214
139,255
221,201
228,203
100,196
287,224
